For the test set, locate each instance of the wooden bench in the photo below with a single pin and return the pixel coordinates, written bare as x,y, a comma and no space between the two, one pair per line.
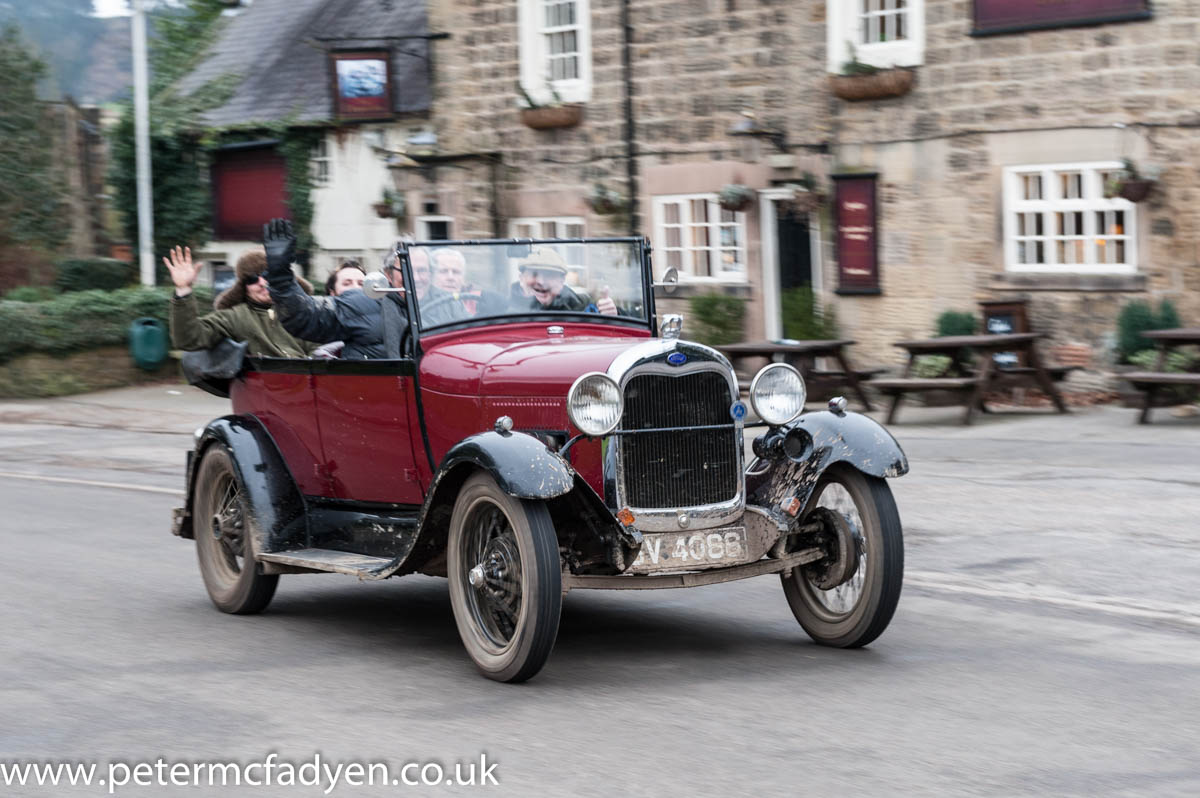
896,387
1149,382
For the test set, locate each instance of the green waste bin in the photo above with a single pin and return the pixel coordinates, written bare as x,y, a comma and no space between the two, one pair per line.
148,342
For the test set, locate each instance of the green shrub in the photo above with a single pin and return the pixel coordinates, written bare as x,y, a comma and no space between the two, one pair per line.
80,320
1178,360
802,319
31,293
953,322
88,274
718,318
1138,317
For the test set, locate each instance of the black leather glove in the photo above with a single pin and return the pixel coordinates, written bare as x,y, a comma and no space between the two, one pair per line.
280,243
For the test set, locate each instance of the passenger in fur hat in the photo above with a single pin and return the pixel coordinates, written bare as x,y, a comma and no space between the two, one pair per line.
242,312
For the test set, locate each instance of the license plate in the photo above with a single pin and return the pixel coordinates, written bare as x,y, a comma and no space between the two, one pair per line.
687,551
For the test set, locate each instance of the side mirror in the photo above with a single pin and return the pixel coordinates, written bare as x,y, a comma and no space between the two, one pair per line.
518,250
376,285
670,280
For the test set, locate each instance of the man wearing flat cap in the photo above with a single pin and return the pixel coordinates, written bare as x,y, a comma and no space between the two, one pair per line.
543,283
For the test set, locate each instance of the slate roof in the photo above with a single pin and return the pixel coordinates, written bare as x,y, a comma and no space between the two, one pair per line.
281,50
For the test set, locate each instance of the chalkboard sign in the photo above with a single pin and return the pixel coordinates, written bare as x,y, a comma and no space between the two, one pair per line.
856,234
1001,317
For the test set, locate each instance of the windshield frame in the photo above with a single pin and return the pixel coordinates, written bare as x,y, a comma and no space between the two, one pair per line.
641,245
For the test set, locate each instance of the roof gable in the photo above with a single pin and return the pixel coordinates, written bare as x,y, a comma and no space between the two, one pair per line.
281,49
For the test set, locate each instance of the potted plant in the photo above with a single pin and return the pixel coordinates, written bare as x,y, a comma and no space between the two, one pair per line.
604,201
859,81
736,197
1131,184
546,116
392,206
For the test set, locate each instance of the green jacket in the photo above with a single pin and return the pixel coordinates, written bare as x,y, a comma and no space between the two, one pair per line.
242,322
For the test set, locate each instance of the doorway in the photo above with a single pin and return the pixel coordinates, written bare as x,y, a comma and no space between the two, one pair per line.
791,255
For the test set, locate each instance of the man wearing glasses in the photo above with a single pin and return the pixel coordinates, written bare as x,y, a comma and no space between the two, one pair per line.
244,311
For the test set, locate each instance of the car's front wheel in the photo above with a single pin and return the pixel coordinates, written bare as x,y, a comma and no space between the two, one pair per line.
224,546
848,599
505,580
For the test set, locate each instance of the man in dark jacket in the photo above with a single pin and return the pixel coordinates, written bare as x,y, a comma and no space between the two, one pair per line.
351,316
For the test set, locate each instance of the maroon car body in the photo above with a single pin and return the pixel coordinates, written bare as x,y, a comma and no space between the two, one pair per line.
461,458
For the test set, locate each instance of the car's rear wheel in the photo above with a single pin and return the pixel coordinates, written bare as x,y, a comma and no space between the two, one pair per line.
856,610
505,580
224,546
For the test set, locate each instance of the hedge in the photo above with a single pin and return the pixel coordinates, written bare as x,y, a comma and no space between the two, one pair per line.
88,274
80,320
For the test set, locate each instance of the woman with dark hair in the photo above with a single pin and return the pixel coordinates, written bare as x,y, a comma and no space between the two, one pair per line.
345,277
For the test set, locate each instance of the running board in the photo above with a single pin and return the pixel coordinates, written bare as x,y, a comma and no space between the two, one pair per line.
342,562
693,579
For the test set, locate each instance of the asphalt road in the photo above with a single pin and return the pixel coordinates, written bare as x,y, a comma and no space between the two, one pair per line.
1047,641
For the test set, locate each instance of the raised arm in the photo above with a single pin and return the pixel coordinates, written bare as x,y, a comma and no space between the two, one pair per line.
304,316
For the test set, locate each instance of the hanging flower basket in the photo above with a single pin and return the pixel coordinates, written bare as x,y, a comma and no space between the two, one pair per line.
548,117
875,86
605,202
384,210
1135,190
736,197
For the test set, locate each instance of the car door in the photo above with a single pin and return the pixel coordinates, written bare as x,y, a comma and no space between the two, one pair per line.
364,409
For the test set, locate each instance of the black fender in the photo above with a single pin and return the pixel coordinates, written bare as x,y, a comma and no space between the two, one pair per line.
792,458
521,464
524,468
275,508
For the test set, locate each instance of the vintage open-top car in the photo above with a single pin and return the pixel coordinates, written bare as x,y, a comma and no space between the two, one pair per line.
542,432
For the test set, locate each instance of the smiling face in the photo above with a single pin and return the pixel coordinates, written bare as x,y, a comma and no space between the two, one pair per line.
545,284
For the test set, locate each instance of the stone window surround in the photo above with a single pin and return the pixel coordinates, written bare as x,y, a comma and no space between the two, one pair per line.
1091,202
662,261
842,26
421,226
533,54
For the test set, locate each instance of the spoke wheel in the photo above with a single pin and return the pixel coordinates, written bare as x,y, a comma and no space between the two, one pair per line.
505,580
224,544
857,610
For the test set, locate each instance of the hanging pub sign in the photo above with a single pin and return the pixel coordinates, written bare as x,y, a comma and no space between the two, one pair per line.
855,217
1011,16
362,85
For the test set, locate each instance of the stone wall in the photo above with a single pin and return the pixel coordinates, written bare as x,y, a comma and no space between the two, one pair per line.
980,104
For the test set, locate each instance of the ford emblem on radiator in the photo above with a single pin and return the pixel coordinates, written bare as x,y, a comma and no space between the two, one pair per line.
677,358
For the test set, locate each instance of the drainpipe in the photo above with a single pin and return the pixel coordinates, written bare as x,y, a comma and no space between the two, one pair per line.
631,170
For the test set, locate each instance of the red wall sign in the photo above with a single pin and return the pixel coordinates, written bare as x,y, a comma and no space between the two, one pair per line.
855,217
362,84
1007,16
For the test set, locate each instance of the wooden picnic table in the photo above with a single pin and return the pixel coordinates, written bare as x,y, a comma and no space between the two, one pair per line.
972,383
1151,382
802,355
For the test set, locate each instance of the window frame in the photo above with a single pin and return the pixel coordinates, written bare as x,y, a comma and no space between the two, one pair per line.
320,164
1051,202
716,275
534,58
842,26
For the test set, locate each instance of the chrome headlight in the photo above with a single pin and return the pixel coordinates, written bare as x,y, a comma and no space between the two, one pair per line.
777,394
594,404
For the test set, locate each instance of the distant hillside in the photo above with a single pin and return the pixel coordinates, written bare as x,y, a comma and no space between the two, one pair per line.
88,58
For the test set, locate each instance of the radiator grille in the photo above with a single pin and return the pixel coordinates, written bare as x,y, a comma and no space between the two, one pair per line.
678,469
